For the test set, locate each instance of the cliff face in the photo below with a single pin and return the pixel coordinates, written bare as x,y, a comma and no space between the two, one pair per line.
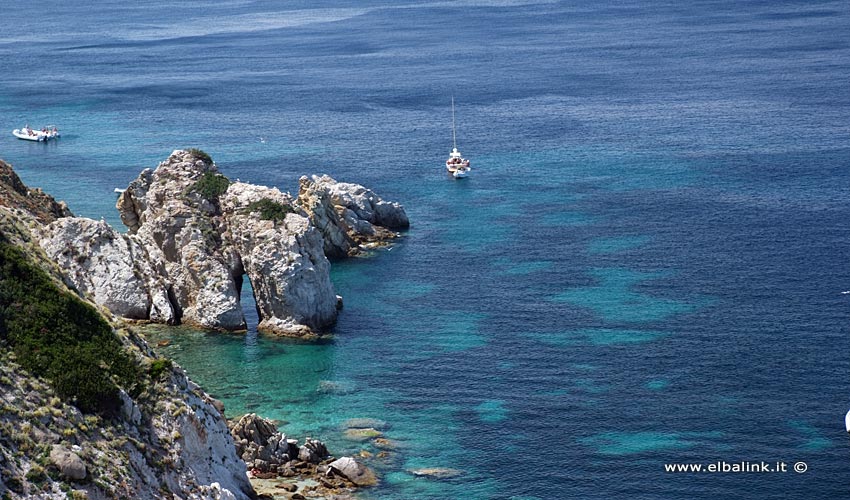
170,439
15,195
146,430
104,264
281,252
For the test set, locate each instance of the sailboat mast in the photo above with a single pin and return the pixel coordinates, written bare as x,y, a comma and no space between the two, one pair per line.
454,139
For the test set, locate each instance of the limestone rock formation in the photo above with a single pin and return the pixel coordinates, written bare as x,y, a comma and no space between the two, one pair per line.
105,264
265,450
312,451
179,223
202,234
282,255
348,215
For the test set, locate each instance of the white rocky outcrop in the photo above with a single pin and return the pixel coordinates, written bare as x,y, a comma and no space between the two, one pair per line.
106,265
348,215
283,257
181,231
352,470
189,248
203,244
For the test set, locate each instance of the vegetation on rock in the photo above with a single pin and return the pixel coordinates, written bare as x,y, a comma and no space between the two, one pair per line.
269,210
55,335
158,367
198,153
211,185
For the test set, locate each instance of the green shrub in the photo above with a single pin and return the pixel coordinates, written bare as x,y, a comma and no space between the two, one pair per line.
36,474
55,335
211,185
158,367
269,210
197,153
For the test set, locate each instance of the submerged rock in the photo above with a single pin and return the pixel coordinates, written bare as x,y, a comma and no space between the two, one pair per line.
385,444
362,423
362,434
436,472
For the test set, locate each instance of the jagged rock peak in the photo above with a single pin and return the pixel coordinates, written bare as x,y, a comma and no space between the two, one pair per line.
182,168
173,212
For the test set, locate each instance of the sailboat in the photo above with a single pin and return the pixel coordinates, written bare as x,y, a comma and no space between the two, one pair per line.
457,165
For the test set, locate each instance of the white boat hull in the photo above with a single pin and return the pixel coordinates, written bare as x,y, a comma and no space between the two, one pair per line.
847,421
34,135
20,134
460,173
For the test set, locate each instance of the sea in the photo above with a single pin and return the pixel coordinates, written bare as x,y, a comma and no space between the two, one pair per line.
648,266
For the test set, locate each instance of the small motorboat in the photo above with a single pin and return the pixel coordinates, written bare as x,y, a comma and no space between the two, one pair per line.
461,172
457,165
28,134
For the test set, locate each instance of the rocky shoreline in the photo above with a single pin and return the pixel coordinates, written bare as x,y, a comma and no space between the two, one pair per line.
278,467
193,236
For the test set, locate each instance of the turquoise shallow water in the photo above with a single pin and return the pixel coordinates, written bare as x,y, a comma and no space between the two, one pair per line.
645,267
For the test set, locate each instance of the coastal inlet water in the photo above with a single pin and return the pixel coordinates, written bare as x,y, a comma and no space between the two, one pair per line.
646,266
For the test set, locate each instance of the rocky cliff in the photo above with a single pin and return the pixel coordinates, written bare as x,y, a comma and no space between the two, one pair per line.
281,253
37,204
86,408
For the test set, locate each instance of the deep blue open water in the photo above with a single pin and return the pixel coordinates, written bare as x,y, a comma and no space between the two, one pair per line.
646,266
